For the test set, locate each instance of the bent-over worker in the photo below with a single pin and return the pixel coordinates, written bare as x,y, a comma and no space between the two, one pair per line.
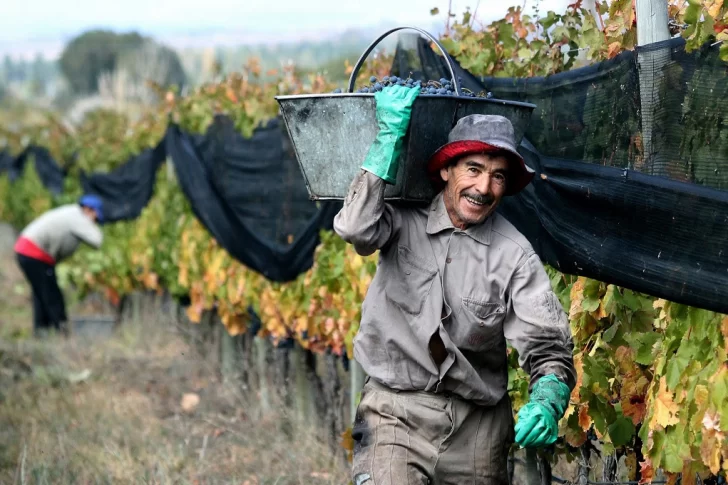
46,241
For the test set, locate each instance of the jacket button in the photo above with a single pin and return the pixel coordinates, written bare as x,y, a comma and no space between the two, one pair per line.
448,260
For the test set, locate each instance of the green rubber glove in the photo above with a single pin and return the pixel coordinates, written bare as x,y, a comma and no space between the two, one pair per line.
538,420
394,108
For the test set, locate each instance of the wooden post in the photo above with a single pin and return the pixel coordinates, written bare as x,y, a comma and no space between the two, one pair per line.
136,306
173,310
304,394
227,351
356,374
652,20
261,362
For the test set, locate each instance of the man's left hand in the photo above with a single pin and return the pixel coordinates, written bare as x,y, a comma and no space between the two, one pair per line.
537,424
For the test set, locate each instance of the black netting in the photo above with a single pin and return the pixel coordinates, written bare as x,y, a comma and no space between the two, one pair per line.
127,189
6,161
251,196
686,134
260,179
50,173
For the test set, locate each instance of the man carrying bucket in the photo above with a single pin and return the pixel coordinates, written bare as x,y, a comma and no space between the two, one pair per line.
50,238
455,282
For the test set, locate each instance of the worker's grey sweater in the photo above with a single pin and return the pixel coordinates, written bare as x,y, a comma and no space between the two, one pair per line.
59,231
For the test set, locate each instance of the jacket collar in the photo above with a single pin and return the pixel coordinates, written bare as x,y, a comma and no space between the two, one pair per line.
438,220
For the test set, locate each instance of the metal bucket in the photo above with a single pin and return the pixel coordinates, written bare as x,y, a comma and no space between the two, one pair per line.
332,133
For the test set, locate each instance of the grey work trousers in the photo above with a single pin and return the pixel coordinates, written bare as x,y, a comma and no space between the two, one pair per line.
422,438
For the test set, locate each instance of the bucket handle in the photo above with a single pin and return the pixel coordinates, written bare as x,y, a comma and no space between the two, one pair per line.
448,60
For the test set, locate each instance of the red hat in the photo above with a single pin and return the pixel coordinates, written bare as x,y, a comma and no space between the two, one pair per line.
482,134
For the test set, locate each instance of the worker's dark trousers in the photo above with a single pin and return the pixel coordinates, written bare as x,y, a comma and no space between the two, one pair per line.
49,309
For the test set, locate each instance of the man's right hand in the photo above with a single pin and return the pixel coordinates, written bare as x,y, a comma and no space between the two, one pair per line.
394,109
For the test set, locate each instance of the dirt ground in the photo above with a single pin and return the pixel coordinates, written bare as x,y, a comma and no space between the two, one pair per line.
142,406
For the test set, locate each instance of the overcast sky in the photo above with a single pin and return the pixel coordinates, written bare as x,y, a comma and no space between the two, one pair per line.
52,21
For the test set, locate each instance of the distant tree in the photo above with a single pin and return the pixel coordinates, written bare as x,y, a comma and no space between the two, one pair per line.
92,53
153,62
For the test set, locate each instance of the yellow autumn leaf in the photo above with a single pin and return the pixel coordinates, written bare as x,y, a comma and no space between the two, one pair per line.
585,421
570,409
601,311
710,449
714,7
579,367
194,314
665,410
151,280
577,297
301,324
347,442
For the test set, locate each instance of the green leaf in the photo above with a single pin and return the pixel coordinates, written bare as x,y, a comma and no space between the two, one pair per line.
675,368
596,372
434,11
719,392
621,431
692,13
601,412
607,448
631,300
658,444
505,36
676,449
525,53
610,299
610,332
550,19
643,344
590,304
723,52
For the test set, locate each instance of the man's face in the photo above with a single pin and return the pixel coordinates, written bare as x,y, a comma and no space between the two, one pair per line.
475,184
90,213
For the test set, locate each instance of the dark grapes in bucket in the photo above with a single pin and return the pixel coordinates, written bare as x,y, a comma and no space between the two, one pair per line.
443,87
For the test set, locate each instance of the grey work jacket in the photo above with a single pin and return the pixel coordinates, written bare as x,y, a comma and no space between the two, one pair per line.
477,288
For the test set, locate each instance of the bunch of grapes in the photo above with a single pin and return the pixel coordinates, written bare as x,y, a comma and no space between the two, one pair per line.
443,87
